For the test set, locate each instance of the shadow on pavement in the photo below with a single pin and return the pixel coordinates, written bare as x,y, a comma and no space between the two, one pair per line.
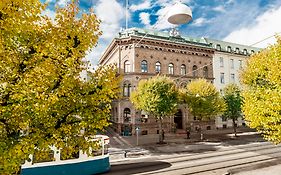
180,148
242,140
140,167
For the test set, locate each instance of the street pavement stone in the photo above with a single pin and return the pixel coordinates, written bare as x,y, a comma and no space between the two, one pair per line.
126,146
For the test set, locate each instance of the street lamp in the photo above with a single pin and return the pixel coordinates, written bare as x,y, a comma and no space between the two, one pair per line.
179,14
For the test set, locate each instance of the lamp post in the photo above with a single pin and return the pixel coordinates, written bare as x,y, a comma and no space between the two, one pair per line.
137,132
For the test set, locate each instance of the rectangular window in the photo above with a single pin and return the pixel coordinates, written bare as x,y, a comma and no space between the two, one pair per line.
232,63
221,61
232,78
240,64
222,78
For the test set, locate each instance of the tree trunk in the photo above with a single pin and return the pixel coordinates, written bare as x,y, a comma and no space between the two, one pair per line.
161,133
234,127
200,128
201,132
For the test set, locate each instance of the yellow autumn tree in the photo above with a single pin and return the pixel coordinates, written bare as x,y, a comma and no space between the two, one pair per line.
262,96
43,100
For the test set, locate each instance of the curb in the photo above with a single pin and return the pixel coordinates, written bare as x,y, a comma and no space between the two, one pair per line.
253,167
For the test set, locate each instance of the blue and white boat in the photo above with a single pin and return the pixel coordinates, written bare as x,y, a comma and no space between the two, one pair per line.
82,165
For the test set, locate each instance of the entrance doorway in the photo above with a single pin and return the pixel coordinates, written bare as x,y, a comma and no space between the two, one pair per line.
178,119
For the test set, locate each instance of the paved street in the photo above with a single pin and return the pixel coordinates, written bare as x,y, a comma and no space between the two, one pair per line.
220,153
220,161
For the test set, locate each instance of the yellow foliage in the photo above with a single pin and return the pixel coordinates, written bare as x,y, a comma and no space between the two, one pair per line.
262,96
42,99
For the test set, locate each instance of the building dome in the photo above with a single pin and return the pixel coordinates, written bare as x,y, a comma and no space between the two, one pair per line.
179,14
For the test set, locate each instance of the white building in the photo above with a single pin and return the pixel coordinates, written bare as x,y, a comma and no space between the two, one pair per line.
228,60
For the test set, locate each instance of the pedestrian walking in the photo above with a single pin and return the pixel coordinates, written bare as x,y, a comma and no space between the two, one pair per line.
187,134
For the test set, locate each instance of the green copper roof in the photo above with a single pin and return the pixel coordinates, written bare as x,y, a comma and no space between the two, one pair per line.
202,42
164,36
231,47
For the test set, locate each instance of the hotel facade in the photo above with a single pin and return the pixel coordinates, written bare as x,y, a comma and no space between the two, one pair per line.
141,54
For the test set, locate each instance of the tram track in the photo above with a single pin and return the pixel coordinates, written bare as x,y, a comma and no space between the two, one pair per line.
201,163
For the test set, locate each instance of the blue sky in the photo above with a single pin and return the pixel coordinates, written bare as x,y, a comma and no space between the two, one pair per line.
239,21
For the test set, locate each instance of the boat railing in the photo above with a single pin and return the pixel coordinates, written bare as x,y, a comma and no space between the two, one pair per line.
54,154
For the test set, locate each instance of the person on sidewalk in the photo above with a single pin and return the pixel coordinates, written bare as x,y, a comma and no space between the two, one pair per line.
187,134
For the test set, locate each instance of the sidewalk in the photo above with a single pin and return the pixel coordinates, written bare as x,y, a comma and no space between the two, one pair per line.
126,146
221,135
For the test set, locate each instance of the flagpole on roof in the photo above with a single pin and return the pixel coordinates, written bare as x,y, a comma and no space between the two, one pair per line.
126,14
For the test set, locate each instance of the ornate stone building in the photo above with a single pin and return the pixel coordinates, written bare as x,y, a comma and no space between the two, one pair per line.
140,54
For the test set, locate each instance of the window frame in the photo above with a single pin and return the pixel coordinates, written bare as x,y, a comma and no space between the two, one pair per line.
183,69
221,62
157,67
127,66
127,115
232,78
232,63
222,79
205,72
144,66
171,68
194,71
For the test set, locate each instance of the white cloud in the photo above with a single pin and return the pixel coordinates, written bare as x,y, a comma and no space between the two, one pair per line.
266,25
219,8
50,13
230,1
162,21
62,3
200,22
111,14
144,18
49,1
169,2
95,53
142,6
109,11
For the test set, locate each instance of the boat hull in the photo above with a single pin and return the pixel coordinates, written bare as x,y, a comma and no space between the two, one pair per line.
88,167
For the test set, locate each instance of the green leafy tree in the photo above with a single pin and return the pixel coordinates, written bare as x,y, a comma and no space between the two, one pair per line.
203,100
157,96
43,100
233,100
262,95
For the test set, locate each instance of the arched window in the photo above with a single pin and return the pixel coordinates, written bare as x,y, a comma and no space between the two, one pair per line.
144,66
127,115
183,69
228,49
127,66
157,67
194,71
218,47
237,50
126,89
171,68
183,84
245,52
205,72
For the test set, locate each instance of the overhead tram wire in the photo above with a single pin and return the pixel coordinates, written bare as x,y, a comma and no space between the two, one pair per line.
212,62
265,39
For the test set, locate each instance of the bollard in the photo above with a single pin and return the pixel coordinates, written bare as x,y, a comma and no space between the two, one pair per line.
125,154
